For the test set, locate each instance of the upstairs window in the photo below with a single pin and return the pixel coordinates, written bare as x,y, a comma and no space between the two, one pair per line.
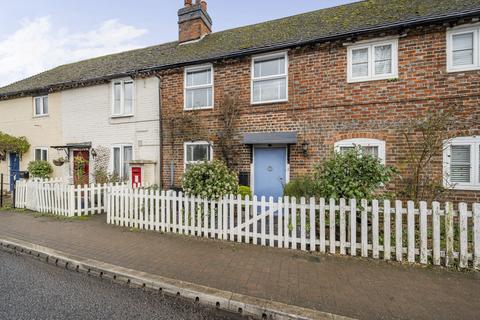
123,95
41,154
270,78
40,106
198,87
122,155
461,161
372,147
373,61
463,52
197,152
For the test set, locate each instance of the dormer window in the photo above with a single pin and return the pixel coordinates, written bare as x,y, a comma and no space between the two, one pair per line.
123,98
40,106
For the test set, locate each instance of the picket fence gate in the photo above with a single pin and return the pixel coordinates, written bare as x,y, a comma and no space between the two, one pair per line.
59,198
439,234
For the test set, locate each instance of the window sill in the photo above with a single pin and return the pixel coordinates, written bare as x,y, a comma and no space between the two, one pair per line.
460,187
119,116
197,109
389,78
466,69
41,116
269,102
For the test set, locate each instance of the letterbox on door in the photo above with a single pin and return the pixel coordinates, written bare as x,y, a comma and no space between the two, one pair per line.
136,176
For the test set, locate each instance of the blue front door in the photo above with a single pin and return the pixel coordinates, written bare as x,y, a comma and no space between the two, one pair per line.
269,167
14,168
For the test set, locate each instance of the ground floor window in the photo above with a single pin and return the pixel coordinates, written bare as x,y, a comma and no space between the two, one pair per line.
197,152
461,162
121,156
368,146
41,154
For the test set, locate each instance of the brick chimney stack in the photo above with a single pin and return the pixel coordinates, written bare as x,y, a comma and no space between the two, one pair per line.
194,22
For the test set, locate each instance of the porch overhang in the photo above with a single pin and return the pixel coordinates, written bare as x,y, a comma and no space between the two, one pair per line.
73,146
270,138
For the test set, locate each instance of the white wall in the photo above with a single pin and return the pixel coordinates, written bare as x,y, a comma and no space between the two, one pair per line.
87,118
16,118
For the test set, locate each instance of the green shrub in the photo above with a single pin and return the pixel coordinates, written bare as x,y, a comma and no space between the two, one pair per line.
211,180
244,191
302,186
352,175
40,169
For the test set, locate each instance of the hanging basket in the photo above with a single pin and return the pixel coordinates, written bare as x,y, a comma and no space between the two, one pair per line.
59,162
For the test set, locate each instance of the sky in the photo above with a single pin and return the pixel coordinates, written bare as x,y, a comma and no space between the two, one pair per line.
37,35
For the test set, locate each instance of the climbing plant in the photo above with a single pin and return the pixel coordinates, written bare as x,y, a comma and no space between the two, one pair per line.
10,143
229,111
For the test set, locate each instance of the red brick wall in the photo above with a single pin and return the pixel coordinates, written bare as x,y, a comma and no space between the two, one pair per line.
192,30
323,108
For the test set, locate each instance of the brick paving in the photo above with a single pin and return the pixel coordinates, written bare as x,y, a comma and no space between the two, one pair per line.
354,287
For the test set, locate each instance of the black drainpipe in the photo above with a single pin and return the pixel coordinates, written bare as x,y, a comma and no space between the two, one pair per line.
160,132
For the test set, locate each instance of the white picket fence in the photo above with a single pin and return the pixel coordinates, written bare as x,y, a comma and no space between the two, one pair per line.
59,198
439,234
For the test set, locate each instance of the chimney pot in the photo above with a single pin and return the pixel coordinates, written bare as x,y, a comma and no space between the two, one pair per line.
188,3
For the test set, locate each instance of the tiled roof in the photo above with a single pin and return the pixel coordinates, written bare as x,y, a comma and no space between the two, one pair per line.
312,26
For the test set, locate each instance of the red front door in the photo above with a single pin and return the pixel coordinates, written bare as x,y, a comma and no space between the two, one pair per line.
81,167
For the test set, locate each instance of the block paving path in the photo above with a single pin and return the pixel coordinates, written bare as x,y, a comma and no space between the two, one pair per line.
353,287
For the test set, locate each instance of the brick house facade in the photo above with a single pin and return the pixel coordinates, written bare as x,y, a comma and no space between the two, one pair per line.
323,108
320,103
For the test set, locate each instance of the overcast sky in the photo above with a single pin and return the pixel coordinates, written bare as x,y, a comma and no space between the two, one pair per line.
36,35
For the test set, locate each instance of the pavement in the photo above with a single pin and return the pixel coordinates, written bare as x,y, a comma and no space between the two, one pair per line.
34,290
347,286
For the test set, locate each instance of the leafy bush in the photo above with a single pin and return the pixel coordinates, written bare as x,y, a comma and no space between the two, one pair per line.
352,175
211,180
40,169
244,191
302,186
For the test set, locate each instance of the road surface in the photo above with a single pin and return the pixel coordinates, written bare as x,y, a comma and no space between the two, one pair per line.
31,289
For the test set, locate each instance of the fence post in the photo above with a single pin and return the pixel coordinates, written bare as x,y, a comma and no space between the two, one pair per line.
436,232
14,194
463,235
476,235
1,190
449,257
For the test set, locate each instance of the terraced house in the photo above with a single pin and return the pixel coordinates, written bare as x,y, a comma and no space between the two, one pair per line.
301,86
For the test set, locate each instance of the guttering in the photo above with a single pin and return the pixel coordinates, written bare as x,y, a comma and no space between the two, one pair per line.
240,53
160,133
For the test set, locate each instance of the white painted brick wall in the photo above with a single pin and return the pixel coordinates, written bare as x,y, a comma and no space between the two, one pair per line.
87,118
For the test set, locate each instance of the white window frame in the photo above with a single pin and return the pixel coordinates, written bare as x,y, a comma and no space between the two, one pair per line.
42,114
269,56
203,67
476,47
122,98
190,143
363,142
41,151
112,161
474,143
370,45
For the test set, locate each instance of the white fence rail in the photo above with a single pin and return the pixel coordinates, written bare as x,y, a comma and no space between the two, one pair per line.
56,197
438,234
